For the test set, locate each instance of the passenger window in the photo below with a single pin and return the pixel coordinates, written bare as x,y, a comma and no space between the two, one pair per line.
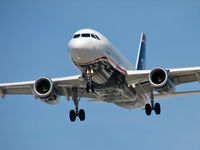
85,35
76,36
92,35
97,37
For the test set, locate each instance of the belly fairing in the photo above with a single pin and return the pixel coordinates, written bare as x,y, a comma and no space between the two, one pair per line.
110,85
137,103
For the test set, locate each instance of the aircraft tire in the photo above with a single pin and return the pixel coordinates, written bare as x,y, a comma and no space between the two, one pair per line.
148,109
157,108
72,115
81,114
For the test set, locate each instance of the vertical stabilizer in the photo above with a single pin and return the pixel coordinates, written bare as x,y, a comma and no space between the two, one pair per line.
141,58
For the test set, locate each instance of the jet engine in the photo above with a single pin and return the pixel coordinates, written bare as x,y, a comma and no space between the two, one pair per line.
160,80
45,90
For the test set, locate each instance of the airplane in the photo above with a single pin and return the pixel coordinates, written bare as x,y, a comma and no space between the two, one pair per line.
107,76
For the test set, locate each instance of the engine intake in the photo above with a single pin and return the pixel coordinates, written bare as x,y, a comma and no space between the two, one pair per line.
44,89
161,81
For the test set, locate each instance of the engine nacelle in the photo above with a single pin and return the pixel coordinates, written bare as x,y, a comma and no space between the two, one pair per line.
44,89
161,81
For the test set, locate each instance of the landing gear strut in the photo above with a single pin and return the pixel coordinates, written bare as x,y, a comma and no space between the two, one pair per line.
89,85
150,107
76,113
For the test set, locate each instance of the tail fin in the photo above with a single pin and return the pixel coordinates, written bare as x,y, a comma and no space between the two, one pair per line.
141,58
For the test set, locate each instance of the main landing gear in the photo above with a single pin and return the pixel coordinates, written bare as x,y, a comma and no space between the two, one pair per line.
76,113
89,85
150,107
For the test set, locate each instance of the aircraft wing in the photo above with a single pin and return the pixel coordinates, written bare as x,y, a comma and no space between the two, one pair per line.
63,85
140,79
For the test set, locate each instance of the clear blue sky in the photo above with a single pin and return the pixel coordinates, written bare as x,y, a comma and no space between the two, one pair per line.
33,40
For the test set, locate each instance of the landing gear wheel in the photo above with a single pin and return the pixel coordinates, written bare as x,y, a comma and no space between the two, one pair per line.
81,115
72,115
157,108
148,109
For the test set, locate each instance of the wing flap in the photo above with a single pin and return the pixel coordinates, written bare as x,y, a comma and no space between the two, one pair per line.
185,75
159,96
16,88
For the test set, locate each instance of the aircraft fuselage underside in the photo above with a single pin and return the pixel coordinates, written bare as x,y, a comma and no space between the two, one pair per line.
110,85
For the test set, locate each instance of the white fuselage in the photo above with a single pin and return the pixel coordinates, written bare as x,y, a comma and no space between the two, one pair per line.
89,49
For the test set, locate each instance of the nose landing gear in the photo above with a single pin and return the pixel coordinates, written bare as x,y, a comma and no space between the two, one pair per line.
89,85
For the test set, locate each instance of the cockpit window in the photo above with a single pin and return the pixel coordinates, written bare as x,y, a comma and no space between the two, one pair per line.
85,35
92,35
97,37
76,36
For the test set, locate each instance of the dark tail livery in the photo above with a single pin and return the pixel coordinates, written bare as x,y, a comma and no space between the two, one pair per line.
141,58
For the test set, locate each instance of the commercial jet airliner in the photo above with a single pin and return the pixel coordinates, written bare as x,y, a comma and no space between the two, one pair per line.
107,76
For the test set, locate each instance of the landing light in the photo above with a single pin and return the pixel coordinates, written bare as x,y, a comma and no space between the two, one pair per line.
133,85
92,71
88,71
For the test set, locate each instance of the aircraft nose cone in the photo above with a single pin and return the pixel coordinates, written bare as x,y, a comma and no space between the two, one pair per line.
79,45
79,49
